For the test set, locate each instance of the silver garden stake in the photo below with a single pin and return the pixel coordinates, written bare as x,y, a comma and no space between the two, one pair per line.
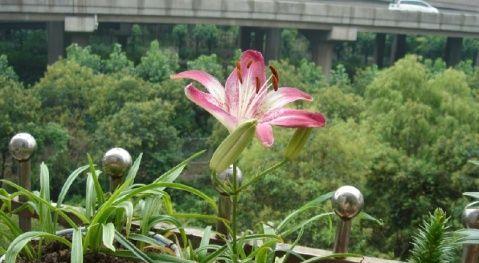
22,146
470,219
115,162
347,203
224,201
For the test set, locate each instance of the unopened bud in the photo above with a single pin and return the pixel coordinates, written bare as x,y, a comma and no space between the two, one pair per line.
232,146
297,143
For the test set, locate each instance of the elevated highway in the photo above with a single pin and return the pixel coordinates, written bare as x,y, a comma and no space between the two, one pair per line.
324,22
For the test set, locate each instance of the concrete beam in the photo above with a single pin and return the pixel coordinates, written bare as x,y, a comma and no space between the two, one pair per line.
81,23
273,44
55,41
453,50
341,33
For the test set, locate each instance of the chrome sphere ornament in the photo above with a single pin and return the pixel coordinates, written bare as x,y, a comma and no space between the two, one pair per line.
226,177
347,201
116,161
22,146
470,218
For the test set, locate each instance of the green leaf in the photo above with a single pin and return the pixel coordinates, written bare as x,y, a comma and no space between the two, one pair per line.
96,183
171,175
108,235
90,196
129,246
66,186
19,243
44,212
205,241
297,143
311,204
127,206
77,247
232,146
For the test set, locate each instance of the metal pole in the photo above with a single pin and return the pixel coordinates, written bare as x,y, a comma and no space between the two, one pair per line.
115,162
22,146
347,203
470,219
225,208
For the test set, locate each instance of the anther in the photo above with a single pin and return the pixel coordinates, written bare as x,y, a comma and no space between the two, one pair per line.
258,86
275,82
249,64
238,73
274,71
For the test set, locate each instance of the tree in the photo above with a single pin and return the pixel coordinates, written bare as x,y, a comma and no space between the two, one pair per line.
6,71
143,127
208,63
84,57
118,62
157,64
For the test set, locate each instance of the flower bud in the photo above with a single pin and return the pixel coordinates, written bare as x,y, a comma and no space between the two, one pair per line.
297,142
232,146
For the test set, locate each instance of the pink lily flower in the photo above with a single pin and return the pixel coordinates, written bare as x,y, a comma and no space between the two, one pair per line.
248,95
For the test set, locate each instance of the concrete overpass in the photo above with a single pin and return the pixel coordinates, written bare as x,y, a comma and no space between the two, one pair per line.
324,22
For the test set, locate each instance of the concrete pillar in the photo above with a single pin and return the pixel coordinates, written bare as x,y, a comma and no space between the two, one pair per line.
453,50
82,39
322,49
273,43
398,48
245,38
55,40
379,49
258,43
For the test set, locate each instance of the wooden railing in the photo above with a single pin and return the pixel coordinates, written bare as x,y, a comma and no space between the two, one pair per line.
347,203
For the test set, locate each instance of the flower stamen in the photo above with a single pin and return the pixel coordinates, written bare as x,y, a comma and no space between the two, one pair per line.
249,64
258,85
275,83
274,71
239,73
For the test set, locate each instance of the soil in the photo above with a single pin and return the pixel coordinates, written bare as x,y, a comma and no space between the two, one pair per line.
59,253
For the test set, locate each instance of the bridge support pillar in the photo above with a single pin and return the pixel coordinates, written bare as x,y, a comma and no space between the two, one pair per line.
273,44
398,48
245,38
55,38
452,54
322,50
379,49
258,43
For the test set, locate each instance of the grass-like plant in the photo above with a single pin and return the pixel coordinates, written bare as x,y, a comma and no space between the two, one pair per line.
105,223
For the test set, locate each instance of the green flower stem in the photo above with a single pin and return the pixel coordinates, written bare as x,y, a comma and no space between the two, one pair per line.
233,219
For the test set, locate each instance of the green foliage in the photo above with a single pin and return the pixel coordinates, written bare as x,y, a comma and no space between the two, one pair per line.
307,76
143,127
157,64
118,62
209,64
6,71
434,242
84,57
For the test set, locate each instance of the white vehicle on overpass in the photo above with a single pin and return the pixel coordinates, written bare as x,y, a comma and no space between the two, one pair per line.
413,6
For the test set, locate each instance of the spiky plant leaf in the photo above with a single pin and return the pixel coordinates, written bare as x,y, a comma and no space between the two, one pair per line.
434,242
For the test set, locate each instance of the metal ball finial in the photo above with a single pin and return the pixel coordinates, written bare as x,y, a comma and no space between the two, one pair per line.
22,146
226,177
347,201
116,161
470,218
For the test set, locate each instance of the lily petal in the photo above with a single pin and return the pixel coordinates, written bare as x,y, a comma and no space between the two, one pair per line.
211,84
239,92
283,96
264,133
294,118
208,102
